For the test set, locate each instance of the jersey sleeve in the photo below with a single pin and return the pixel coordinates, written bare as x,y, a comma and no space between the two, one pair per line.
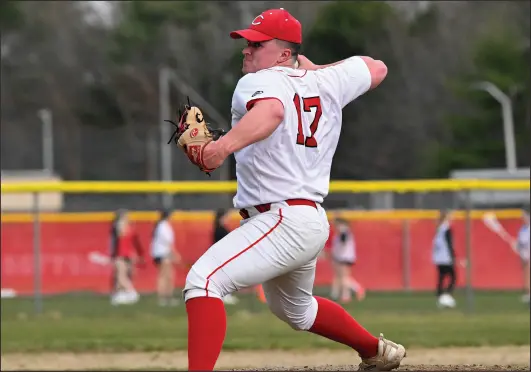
351,79
255,87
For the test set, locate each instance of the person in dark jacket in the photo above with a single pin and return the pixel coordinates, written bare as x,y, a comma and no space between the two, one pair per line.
443,256
220,229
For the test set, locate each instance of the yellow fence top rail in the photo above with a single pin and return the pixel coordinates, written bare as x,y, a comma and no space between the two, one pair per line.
203,216
230,186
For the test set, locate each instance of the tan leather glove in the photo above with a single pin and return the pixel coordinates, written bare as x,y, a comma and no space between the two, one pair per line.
193,134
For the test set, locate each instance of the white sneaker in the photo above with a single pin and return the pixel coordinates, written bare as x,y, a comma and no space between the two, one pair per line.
451,301
388,358
446,300
115,300
119,298
131,297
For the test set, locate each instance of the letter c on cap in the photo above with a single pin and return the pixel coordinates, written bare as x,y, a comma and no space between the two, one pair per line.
257,20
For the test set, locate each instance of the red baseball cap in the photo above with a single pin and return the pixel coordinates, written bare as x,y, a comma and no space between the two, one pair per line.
272,24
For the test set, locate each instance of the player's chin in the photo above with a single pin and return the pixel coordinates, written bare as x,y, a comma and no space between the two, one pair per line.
248,68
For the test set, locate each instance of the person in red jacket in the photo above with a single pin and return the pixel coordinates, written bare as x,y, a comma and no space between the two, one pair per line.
126,250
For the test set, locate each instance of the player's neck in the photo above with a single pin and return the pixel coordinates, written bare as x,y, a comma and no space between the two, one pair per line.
289,64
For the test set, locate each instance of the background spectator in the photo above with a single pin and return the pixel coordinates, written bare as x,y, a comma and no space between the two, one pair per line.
165,256
126,250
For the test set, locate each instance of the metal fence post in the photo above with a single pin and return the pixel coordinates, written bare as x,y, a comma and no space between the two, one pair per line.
468,238
37,280
406,255
165,132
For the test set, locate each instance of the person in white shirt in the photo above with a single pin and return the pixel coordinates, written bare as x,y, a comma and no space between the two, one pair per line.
343,256
286,123
521,247
165,256
443,256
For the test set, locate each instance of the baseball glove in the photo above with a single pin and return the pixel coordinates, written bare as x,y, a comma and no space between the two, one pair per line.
193,133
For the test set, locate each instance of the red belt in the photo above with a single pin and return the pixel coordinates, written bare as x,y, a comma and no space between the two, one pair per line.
266,207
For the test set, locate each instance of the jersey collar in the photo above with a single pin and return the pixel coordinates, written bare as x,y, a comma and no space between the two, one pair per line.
289,71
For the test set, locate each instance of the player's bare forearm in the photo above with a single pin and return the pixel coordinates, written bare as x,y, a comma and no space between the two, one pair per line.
258,124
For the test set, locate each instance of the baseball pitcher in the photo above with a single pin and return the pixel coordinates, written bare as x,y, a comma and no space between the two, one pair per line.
286,122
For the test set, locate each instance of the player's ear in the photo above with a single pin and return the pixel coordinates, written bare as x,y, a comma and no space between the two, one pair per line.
285,56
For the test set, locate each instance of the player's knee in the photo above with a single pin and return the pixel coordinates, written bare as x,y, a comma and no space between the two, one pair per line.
277,308
199,285
299,315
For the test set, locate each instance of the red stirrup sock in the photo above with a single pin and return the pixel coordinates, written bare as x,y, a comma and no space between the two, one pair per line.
207,324
334,323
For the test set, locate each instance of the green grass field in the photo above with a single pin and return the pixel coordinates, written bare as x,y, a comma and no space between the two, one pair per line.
85,322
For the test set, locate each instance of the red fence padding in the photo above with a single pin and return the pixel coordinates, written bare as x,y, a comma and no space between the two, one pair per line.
66,245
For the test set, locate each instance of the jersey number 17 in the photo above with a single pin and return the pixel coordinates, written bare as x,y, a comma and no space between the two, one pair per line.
307,104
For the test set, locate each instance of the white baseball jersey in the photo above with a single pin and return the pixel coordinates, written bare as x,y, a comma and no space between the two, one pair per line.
162,241
344,251
441,254
295,161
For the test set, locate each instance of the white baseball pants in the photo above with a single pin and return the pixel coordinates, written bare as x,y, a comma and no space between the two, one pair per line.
277,249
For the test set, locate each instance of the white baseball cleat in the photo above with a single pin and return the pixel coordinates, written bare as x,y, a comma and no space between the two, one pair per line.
388,358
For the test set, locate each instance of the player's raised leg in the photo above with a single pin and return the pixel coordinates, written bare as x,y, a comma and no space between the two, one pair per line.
290,298
268,245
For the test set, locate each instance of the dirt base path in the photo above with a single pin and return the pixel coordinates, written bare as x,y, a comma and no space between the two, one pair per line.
482,358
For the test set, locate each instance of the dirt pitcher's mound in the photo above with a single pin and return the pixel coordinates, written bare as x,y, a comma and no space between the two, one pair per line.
420,367
458,359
